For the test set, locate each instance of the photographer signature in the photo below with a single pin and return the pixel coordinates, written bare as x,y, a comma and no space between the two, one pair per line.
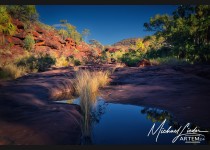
190,134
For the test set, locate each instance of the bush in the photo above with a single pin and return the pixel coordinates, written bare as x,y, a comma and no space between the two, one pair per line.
37,63
29,42
117,55
23,12
172,61
6,26
77,62
45,62
132,58
62,62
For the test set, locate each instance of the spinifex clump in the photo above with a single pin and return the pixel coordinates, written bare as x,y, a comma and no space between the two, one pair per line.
87,84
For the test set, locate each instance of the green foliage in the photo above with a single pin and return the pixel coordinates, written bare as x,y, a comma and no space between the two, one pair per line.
162,52
186,31
29,42
69,30
36,63
45,62
72,60
132,57
118,55
45,26
85,33
73,33
63,33
23,12
96,43
172,61
77,62
6,26
104,57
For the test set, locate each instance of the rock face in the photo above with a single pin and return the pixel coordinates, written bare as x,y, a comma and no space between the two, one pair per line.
143,63
28,115
46,40
126,42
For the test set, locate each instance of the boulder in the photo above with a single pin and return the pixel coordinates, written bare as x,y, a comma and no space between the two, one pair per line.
14,40
143,63
21,35
18,23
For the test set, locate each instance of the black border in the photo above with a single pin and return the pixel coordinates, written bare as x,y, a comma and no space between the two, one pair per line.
103,2
105,147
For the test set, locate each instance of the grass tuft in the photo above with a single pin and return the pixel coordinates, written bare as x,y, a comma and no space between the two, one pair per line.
87,85
11,71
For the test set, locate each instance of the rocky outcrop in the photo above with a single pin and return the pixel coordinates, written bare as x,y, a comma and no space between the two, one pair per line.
35,119
143,63
46,41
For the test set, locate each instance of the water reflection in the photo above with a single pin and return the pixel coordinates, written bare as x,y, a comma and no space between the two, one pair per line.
108,123
91,117
157,115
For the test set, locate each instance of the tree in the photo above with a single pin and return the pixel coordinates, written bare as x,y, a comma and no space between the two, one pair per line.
85,33
69,31
63,33
96,44
186,31
23,12
6,26
140,45
63,22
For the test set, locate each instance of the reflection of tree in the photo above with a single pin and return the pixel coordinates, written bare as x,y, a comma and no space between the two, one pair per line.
157,115
93,117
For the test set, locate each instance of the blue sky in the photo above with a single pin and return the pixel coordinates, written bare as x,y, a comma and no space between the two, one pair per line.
107,23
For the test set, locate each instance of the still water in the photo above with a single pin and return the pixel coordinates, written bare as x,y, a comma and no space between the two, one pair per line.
114,123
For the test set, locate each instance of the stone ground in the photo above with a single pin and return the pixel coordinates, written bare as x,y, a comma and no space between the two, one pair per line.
179,90
29,116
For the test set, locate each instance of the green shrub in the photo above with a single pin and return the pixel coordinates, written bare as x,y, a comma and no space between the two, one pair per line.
29,42
63,33
172,61
77,62
37,63
6,26
23,12
131,58
45,62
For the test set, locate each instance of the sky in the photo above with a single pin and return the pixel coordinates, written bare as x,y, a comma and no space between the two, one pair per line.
108,24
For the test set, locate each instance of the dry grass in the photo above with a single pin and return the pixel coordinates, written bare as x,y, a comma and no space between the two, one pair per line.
61,62
76,68
102,77
12,71
90,82
120,65
87,85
